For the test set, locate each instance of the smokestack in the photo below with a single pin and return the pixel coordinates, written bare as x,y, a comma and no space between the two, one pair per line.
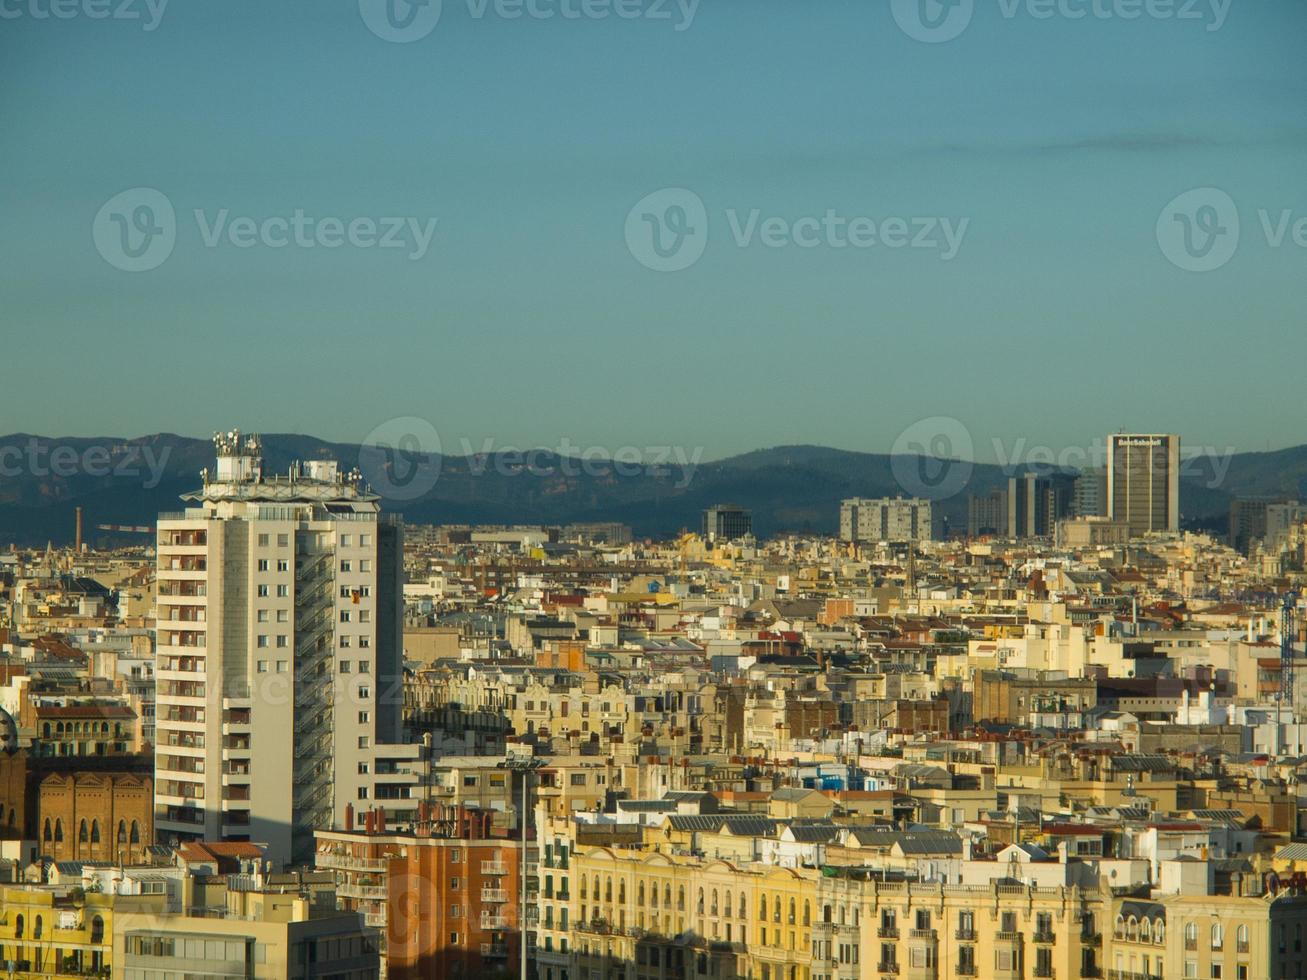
77,540
349,816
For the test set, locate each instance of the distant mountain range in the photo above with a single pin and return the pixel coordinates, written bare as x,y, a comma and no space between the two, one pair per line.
790,488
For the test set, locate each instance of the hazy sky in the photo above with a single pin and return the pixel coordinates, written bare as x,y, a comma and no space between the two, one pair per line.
1050,145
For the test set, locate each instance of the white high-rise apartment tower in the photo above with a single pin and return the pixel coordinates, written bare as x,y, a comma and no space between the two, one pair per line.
278,667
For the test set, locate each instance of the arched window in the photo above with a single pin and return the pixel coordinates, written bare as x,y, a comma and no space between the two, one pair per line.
45,835
18,927
122,831
1218,936
608,889
1119,930
1145,930
714,909
744,911
825,913
95,831
1132,928
81,832
45,729
38,927
807,913
136,832
793,916
776,909
680,898
730,908
58,831
621,891
1191,935
639,894
97,930
1241,939
1159,932
583,881
667,896
699,907
762,908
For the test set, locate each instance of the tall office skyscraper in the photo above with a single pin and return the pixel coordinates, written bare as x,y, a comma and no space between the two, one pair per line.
886,519
1143,481
727,522
1036,503
278,663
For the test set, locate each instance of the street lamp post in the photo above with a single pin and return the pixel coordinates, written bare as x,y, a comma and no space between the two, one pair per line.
526,767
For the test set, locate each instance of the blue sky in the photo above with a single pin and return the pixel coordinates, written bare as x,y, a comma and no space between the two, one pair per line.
529,321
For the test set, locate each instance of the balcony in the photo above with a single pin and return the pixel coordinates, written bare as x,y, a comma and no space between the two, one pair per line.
1044,972
1044,936
888,969
966,969
923,934
494,950
491,923
494,868
965,935
887,932
496,896
1005,936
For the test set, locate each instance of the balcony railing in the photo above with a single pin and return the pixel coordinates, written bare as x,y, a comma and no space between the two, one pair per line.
1044,936
965,935
887,932
495,895
494,868
890,969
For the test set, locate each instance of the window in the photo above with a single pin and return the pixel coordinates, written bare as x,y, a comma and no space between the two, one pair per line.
262,591
344,666
263,540
365,693
283,565
262,616
262,641
283,641
345,642
1218,936
363,768
363,792
365,667
283,592
283,540
263,564
261,666
347,566
363,718
364,742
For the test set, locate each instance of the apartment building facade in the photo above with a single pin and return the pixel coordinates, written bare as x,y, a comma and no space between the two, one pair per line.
278,660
